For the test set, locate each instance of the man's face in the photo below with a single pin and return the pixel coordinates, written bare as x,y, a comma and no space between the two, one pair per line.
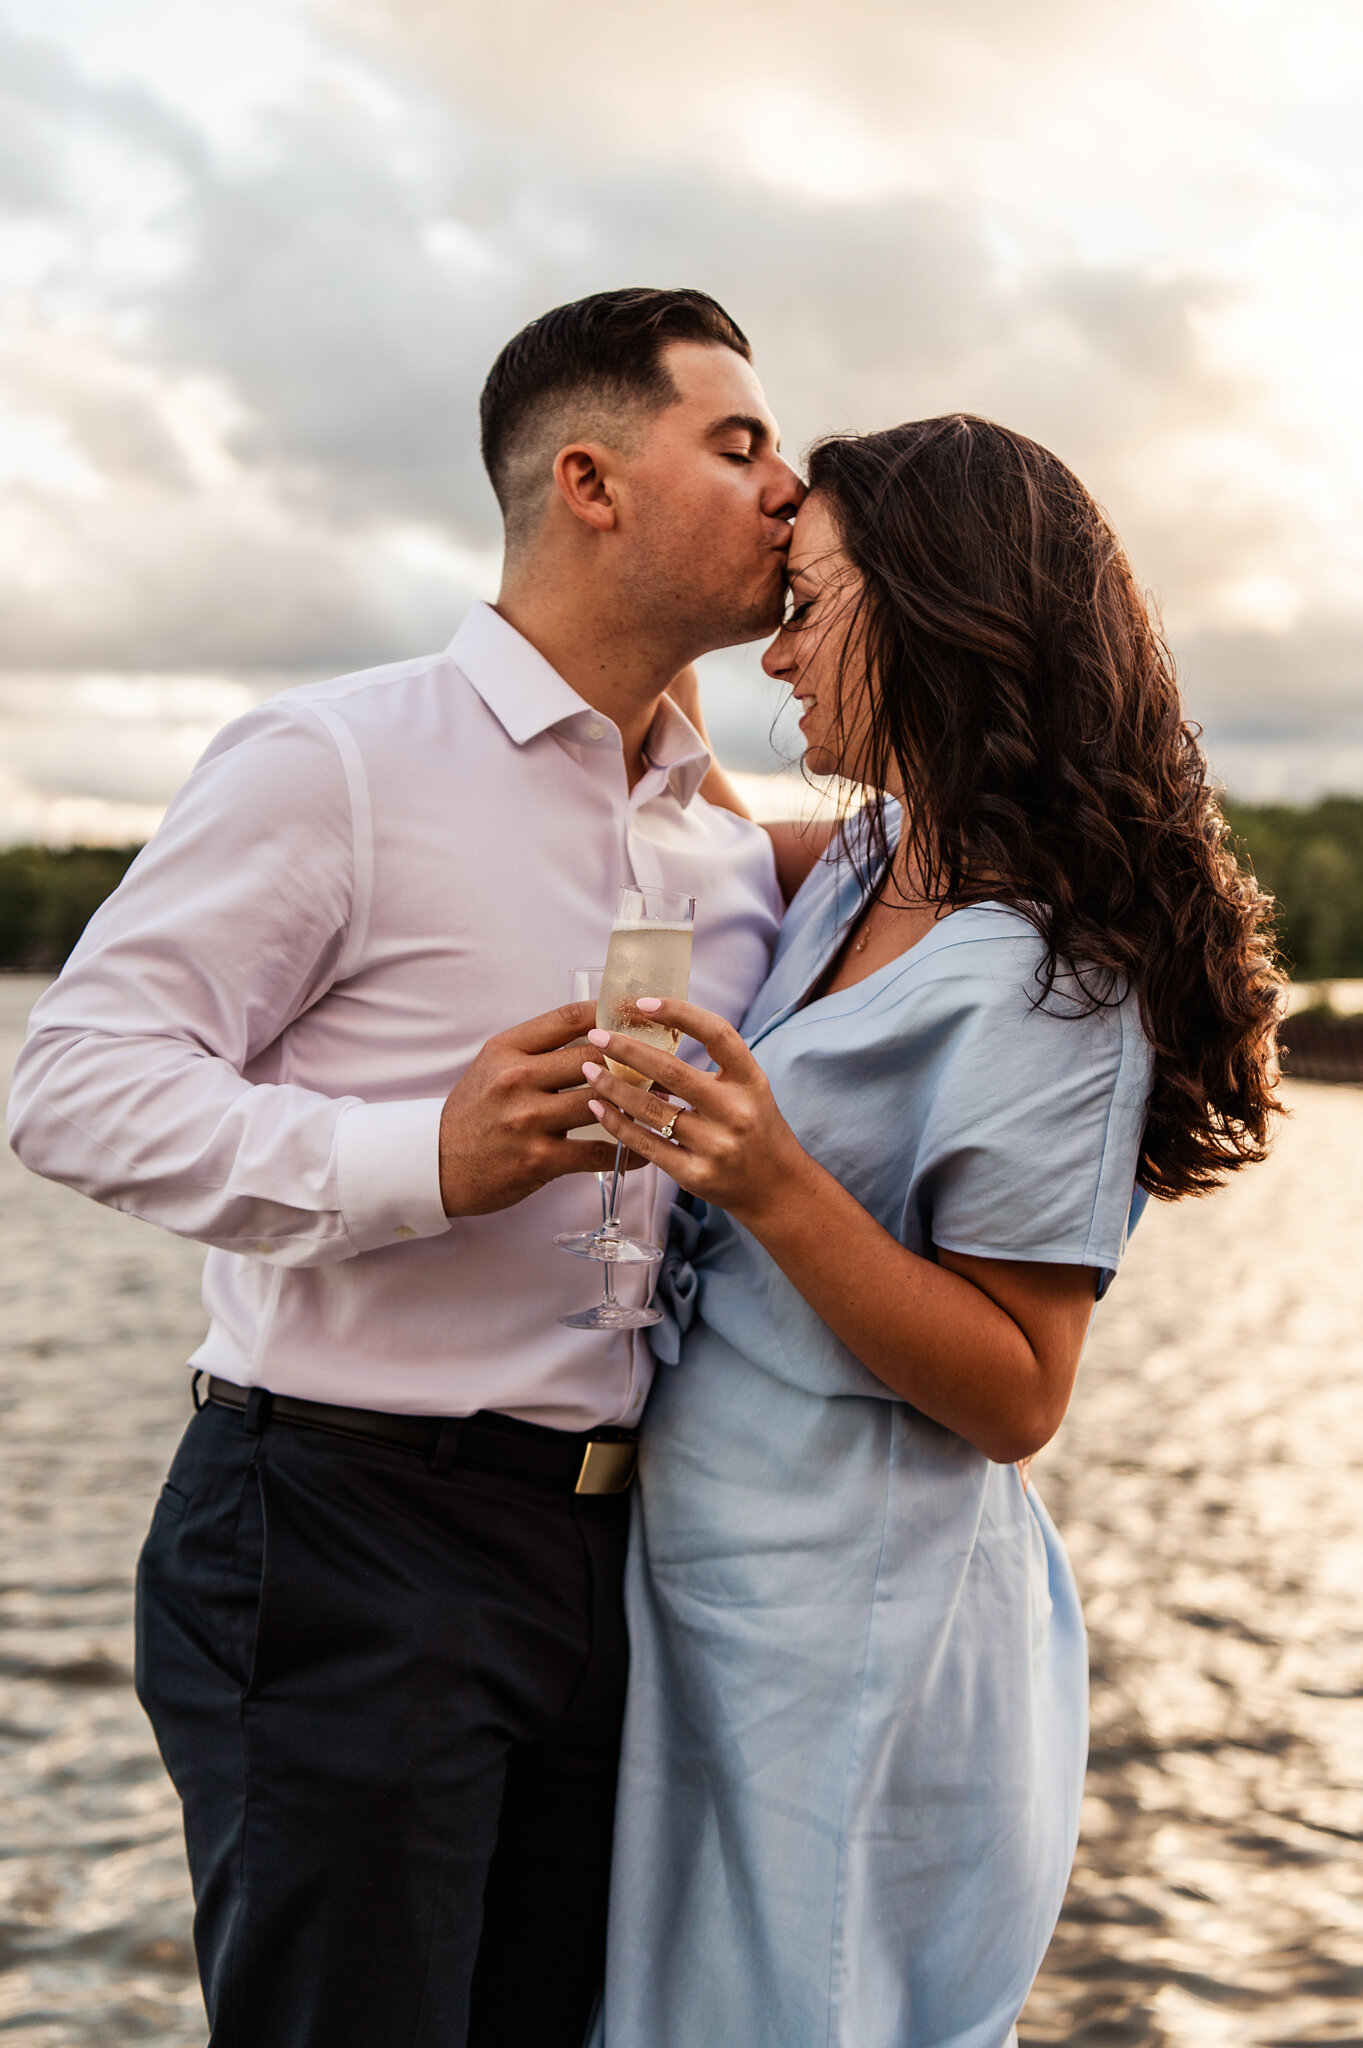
707,504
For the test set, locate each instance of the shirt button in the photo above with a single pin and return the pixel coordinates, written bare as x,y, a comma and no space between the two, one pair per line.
404,1230
596,732
263,1248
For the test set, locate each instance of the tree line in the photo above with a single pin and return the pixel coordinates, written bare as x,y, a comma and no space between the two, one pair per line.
1309,858
48,894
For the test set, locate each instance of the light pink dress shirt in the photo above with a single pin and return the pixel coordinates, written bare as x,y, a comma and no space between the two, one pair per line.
359,884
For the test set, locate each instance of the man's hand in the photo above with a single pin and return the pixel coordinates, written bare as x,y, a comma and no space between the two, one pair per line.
502,1130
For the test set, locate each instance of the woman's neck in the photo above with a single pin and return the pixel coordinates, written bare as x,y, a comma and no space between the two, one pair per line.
898,915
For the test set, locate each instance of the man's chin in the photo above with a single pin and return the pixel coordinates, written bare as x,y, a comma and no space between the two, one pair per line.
744,636
739,633
758,619
761,622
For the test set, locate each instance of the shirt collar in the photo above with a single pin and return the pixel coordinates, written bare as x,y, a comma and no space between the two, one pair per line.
527,696
513,679
676,749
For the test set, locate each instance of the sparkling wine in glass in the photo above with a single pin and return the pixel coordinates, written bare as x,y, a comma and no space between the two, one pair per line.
649,955
584,986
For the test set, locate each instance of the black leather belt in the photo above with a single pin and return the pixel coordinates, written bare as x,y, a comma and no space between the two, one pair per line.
597,1461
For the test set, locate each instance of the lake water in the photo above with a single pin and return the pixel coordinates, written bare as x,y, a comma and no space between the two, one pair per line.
1208,1482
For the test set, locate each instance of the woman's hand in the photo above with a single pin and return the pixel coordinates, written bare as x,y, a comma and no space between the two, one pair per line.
988,1347
731,1145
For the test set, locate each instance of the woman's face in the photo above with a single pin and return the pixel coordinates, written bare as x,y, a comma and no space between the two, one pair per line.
818,650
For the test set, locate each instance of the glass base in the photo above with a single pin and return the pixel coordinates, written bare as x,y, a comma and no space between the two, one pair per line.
607,1317
609,1248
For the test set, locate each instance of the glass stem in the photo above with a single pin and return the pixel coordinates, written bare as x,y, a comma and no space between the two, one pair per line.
610,1221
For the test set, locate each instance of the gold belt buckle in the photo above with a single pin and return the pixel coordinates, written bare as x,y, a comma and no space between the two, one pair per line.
607,1467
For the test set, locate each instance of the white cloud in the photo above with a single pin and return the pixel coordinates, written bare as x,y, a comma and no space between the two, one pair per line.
262,260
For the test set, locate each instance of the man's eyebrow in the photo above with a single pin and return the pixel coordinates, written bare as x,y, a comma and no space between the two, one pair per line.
742,422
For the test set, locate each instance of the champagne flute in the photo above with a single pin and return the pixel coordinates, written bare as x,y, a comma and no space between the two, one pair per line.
584,986
609,1313
649,954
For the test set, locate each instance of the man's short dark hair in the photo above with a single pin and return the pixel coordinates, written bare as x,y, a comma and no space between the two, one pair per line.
600,356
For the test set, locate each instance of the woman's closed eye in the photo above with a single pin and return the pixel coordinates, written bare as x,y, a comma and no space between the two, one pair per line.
796,611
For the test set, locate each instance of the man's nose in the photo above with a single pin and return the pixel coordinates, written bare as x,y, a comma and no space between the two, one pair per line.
784,496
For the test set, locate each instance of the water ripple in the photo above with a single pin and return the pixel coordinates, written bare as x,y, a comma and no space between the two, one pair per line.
1207,1483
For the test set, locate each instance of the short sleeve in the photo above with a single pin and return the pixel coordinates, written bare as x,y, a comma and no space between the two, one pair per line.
1031,1144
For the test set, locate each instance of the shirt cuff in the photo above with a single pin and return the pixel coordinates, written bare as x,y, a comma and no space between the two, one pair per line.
388,1172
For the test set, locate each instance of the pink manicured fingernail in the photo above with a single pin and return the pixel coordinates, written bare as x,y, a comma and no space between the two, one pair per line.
591,1070
648,1003
598,1038
596,1108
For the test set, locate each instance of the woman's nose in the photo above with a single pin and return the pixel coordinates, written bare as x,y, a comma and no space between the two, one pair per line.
776,659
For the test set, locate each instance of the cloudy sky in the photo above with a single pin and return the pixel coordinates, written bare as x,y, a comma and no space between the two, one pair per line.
256,259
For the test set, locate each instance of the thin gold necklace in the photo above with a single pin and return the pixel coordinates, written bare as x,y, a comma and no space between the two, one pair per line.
861,944
873,908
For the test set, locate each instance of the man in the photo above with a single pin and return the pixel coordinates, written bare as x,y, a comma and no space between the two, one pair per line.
380,1626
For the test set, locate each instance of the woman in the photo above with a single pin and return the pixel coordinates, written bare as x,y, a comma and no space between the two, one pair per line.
1029,979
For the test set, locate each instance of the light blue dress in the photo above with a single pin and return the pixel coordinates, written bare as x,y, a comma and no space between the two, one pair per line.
857,1721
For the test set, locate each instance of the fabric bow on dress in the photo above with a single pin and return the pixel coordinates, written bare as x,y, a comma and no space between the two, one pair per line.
678,1282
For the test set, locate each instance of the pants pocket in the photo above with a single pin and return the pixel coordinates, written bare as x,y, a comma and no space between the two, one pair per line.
250,1576
199,1576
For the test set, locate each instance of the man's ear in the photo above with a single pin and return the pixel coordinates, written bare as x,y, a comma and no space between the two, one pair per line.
584,479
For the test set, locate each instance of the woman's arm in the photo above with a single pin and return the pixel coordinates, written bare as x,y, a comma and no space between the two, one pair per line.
797,846
717,789
987,1347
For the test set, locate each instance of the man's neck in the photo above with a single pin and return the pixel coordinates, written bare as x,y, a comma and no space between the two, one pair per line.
615,664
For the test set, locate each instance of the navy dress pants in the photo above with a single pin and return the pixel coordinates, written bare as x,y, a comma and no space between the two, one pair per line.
390,1701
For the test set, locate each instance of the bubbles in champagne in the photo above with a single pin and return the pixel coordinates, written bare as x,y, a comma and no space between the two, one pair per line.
647,958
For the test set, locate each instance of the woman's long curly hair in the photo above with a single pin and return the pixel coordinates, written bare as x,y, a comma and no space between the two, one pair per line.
1024,697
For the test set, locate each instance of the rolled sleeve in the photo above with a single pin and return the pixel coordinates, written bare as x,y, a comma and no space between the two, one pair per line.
388,1172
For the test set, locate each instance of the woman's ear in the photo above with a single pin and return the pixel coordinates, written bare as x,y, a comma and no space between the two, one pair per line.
583,479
